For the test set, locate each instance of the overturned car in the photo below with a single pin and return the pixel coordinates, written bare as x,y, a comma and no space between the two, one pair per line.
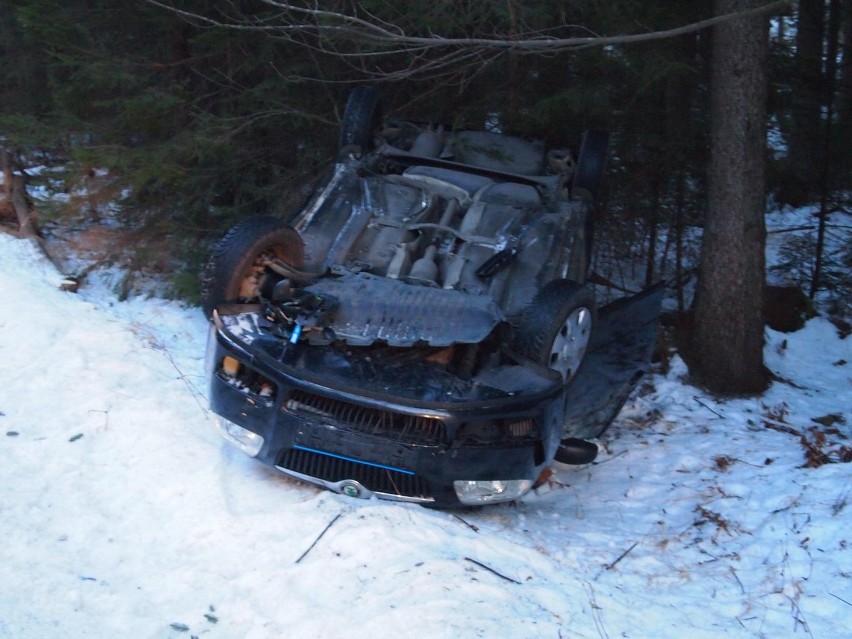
421,330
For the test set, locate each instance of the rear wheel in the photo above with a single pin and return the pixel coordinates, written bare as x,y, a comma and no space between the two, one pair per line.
237,270
360,119
555,329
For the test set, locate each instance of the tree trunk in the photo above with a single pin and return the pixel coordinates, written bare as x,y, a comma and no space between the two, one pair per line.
802,165
653,229
6,166
15,191
679,224
845,89
844,101
728,339
825,175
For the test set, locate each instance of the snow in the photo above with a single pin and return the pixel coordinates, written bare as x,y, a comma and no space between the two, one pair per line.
123,514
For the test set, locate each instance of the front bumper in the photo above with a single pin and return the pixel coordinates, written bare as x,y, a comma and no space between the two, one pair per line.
410,431
406,432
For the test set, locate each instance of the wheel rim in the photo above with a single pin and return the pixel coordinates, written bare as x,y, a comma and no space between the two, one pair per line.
569,345
254,277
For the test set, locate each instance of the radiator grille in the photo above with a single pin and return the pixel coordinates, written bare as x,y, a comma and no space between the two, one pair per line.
523,428
399,427
378,479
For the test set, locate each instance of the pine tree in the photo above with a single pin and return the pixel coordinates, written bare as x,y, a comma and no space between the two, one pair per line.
728,346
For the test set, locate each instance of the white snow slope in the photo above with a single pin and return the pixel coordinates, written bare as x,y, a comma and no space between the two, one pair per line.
122,514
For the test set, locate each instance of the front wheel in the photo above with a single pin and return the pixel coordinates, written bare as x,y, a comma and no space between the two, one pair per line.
556,328
238,269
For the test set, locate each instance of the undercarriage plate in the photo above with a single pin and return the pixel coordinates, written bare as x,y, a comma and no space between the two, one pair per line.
375,308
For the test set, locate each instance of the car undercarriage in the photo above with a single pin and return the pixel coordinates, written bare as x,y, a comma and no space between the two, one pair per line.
422,329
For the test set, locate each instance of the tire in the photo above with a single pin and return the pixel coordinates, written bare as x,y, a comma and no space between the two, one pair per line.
591,162
360,118
235,274
556,328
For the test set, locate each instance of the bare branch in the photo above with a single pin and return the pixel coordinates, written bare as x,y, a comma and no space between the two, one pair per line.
318,23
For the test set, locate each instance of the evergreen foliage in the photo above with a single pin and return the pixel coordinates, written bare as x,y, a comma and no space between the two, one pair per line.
205,125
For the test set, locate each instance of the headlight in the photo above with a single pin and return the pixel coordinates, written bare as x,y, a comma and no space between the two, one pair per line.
247,441
474,493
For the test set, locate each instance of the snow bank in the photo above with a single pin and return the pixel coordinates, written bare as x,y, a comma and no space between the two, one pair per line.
123,515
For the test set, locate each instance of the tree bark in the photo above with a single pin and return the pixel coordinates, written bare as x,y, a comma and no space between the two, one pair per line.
803,158
826,159
844,106
15,190
846,68
6,167
728,339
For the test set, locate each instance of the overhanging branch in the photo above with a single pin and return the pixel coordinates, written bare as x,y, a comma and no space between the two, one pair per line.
294,19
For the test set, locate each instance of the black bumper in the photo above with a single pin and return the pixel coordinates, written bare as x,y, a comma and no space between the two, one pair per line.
405,433
408,432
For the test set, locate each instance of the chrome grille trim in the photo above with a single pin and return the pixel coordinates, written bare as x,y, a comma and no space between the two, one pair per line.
339,474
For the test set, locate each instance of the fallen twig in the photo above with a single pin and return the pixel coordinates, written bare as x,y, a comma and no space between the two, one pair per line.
468,524
491,570
622,556
596,610
840,599
798,617
781,427
324,530
736,576
708,408
789,382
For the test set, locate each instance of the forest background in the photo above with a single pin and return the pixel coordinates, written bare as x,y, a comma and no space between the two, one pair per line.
171,127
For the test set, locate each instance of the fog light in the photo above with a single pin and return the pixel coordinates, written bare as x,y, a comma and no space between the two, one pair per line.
247,441
473,493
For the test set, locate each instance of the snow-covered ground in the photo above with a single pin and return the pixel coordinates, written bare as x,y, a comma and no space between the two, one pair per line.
122,514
